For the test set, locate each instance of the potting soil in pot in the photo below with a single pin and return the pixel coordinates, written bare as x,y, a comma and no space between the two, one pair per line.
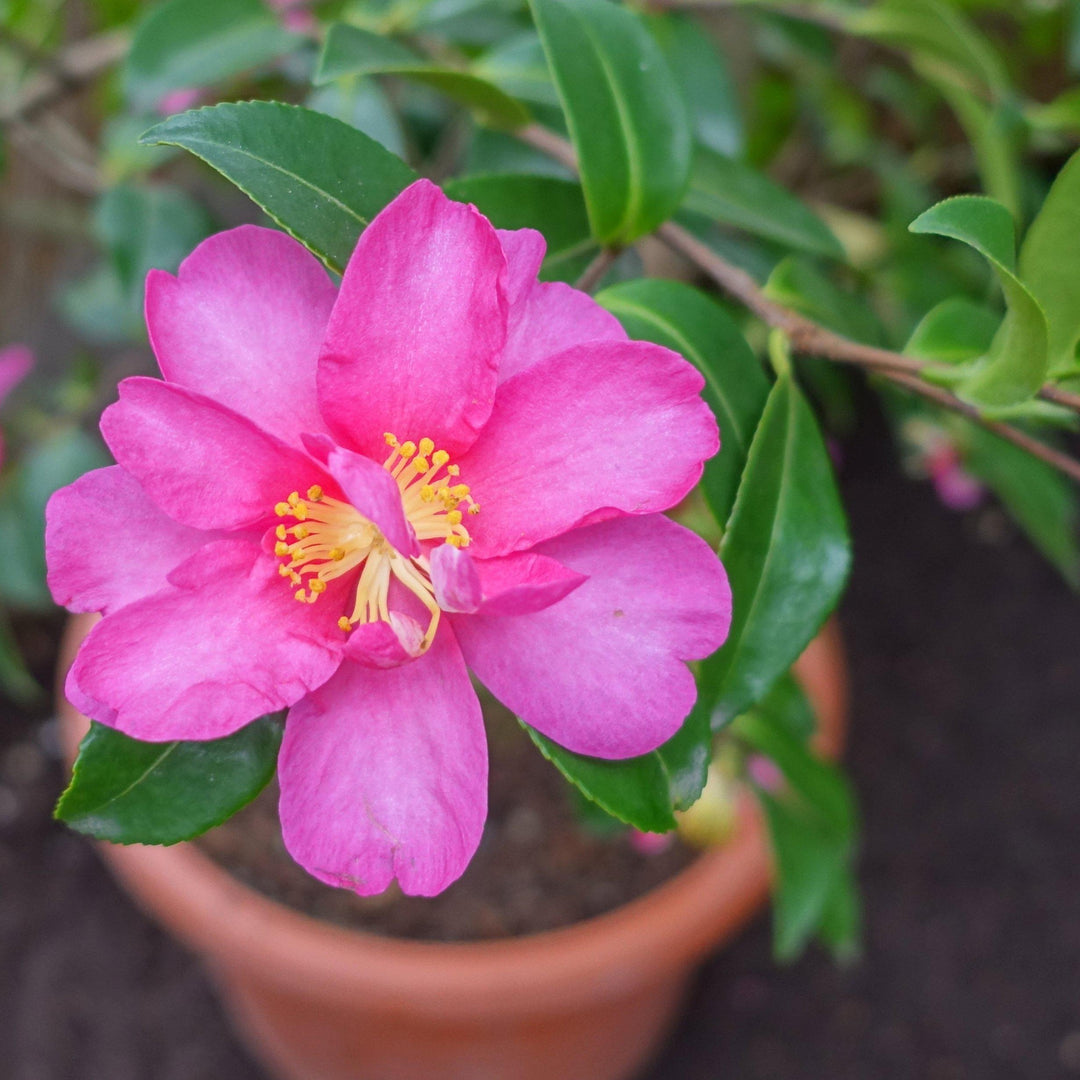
538,867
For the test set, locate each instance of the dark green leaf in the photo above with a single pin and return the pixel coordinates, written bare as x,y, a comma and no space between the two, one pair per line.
626,115
682,318
953,332
182,44
555,207
1041,501
351,51
131,792
1015,365
518,67
319,179
16,682
702,72
727,191
1050,265
786,551
642,791
786,706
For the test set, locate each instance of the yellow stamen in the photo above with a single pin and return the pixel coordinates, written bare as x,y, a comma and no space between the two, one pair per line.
314,493
280,532
426,446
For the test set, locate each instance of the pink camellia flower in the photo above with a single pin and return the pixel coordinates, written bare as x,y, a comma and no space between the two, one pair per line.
340,501
15,363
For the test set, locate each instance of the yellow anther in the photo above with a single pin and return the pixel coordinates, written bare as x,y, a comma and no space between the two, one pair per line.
337,554
427,493
317,585
391,440
300,595
314,493
439,458
280,532
454,470
426,446
302,532
459,491
294,577
281,549
474,509
407,449
284,571
344,624
458,541
300,511
281,509
454,517
421,464
294,499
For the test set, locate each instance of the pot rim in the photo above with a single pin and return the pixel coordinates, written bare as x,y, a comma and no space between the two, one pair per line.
239,929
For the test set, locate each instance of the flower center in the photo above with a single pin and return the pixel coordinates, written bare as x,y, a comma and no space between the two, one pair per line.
330,538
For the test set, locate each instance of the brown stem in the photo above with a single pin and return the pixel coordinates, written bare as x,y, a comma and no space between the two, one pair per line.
596,269
810,338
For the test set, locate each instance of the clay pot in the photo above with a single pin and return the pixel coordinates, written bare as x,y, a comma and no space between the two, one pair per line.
592,1001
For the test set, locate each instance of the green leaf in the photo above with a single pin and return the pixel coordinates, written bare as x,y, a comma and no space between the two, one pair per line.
702,72
192,43
812,827
553,206
518,67
626,116
15,679
787,555
935,31
131,792
318,178
727,191
643,791
1050,264
955,331
1041,501
787,706
362,104
797,283
1015,365
682,318
351,51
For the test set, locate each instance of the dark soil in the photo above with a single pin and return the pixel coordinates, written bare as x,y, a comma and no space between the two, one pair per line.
965,658
536,867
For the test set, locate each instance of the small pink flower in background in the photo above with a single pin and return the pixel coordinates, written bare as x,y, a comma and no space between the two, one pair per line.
177,101
650,843
936,457
15,364
339,502
764,773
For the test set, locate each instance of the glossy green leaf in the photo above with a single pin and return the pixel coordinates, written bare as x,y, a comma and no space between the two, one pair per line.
642,791
351,51
787,706
554,207
1050,264
192,43
702,73
362,104
131,792
727,191
627,117
1016,364
955,331
1037,497
318,178
682,318
787,555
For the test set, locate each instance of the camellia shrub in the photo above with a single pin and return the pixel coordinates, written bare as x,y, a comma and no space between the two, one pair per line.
524,376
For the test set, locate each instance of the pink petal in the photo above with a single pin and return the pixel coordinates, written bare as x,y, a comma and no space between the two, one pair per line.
415,335
226,643
374,493
384,774
242,323
108,545
602,672
15,364
513,585
601,429
202,463
385,644
545,318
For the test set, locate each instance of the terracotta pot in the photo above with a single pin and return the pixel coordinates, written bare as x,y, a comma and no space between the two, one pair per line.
590,1002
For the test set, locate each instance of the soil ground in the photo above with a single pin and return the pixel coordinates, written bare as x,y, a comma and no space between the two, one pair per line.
965,658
